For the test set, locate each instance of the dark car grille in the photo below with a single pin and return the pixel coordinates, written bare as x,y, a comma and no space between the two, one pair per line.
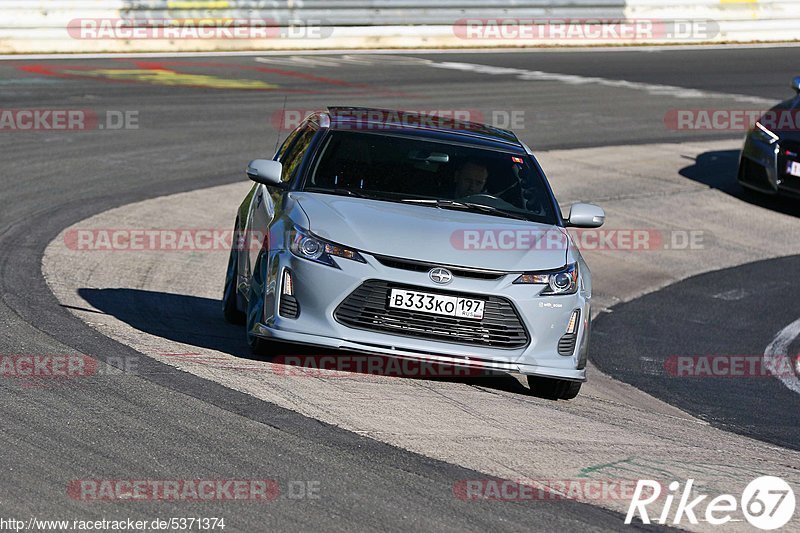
367,308
421,266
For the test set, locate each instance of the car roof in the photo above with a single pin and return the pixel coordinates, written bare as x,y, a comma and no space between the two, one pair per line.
437,127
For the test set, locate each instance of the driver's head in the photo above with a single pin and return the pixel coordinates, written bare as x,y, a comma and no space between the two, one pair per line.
470,179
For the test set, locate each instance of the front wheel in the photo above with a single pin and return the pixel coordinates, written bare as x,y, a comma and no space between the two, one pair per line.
554,389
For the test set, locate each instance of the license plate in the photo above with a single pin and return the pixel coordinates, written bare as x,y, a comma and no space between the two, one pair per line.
436,304
793,168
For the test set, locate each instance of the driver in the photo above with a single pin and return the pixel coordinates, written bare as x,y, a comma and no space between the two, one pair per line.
470,179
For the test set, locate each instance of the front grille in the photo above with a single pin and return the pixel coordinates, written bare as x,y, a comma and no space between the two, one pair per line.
422,266
368,308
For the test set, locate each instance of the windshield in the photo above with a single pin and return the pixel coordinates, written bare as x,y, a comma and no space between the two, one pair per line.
424,172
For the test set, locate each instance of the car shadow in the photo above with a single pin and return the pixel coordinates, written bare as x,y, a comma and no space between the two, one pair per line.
717,169
197,321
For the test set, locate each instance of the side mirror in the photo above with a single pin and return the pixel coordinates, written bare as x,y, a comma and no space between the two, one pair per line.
266,172
586,216
796,84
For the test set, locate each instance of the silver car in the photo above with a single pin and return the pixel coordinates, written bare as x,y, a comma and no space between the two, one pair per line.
393,233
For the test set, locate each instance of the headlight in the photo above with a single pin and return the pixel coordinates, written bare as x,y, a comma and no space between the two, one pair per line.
562,281
761,133
304,245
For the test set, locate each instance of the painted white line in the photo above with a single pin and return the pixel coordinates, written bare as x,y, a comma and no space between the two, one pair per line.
301,61
776,356
347,59
572,79
400,51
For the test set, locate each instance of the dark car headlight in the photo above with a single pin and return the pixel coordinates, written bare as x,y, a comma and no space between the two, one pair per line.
307,246
562,281
763,134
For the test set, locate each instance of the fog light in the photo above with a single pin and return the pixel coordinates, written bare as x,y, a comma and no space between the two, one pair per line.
566,344
573,322
288,288
289,308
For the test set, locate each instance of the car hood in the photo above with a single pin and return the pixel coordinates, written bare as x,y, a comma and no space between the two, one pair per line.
442,236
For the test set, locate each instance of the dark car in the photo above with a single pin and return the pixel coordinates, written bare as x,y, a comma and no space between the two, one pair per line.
770,160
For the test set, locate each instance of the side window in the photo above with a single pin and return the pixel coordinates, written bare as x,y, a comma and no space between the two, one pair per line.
288,142
292,157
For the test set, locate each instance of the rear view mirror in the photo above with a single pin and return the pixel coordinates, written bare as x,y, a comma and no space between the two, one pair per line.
431,157
796,84
586,216
266,172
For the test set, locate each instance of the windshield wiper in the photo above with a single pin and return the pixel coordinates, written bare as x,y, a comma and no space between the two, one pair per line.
339,191
494,210
466,206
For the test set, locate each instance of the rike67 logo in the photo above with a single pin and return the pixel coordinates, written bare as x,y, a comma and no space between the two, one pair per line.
767,503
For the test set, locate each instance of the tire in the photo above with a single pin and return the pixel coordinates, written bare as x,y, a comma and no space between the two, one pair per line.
230,297
554,389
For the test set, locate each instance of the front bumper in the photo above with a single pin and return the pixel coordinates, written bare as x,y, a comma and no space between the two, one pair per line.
320,289
762,166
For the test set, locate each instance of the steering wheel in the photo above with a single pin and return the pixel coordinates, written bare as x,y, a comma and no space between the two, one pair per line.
488,200
479,196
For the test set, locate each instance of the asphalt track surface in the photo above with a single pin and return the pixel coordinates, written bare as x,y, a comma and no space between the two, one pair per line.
164,424
730,312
